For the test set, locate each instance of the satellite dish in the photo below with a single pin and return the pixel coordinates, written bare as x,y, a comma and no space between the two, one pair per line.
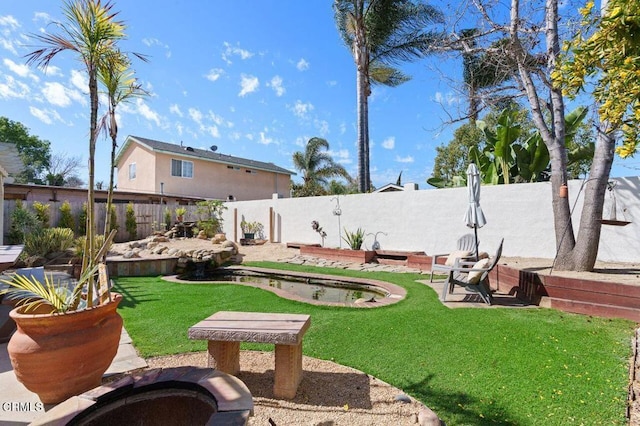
213,148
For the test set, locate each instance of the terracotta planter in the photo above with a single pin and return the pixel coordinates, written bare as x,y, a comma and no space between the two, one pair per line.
60,355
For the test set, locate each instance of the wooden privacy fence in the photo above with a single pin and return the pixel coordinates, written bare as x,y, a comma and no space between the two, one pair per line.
149,217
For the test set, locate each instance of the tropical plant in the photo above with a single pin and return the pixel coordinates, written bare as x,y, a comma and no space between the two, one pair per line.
47,297
66,216
379,35
130,222
317,166
354,239
167,218
43,242
121,86
180,212
251,227
91,31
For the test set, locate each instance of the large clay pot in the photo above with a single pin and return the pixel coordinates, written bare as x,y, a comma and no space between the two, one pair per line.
60,355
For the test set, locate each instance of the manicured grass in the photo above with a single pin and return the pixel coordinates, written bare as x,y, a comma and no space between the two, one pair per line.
471,366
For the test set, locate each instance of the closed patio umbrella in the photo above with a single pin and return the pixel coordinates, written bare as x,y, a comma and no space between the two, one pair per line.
474,218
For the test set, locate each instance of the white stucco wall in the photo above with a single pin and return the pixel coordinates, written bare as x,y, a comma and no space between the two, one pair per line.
432,220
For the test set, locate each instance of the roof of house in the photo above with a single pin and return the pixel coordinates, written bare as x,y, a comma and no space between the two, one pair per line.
390,187
203,154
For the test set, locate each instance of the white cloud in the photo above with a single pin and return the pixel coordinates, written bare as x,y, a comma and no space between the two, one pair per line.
80,81
175,109
301,141
42,16
52,71
179,128
449,98
56,94
13,88
150,42
301,109
212,130
47,116
276,85
322,126
302,65
144,110
389,143
343,128
195,115
264,140
249,84
8,45
332,83
10,22
214,74
21,69
341,156
407,159
219,120
234,51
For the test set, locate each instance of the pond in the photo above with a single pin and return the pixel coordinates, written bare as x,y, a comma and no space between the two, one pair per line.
324,290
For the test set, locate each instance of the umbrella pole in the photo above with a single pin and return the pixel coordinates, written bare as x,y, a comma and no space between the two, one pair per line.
475,232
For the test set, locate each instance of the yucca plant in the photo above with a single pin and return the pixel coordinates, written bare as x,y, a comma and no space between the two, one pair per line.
354,239
47,241
45,296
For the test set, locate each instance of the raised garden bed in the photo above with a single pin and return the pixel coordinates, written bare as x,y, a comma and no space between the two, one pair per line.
342,255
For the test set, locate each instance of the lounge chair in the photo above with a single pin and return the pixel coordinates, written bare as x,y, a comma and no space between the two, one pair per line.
465,250
473,276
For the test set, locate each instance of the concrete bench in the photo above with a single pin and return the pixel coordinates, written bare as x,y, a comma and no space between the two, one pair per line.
225,330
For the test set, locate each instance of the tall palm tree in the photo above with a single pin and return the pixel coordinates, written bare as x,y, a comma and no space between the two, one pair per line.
91,31
317,167
380,34
121,85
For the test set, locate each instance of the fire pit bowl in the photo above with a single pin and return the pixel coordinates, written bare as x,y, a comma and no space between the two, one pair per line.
172,396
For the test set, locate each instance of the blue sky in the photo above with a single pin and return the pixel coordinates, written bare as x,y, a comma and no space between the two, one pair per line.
255,78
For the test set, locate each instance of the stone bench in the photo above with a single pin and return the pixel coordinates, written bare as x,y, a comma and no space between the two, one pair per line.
225,330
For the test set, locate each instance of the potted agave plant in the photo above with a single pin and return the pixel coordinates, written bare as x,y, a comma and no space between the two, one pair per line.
65,338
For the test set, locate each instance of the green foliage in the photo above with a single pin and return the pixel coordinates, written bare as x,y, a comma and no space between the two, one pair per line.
255,228
42,213
605,55
573,354
66,216
210,216
82,220
23,222
79,244
167,218
43,242
130,222
354,239
317,167
113,221
34,152
452,159
180,212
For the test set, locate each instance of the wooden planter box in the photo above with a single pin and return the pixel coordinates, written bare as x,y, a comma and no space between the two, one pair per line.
343,255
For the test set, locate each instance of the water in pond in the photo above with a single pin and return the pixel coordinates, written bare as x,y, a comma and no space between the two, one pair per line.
311,289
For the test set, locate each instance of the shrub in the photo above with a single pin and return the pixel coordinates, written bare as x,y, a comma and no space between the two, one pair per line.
167,218
113,220
130,222
66,217
80,242
23,221
354,239
43,242
42,213
82,220
210,216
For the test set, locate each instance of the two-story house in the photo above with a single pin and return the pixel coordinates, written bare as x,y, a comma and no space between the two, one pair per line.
147,165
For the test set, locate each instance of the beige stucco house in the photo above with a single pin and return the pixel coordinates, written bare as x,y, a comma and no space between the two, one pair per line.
147,165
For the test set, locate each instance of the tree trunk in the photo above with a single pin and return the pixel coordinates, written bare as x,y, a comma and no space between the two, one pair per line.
90,247
114,136
363,132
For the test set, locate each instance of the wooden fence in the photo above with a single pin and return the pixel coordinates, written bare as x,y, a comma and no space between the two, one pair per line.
149,217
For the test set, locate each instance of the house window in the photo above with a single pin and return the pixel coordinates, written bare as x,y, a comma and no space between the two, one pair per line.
253,172
132,171
182,168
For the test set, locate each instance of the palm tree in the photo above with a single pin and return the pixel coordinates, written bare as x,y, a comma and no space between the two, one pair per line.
381,33
121,86
317,167
91,31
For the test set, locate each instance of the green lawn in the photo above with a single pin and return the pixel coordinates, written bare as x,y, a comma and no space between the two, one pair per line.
471,366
